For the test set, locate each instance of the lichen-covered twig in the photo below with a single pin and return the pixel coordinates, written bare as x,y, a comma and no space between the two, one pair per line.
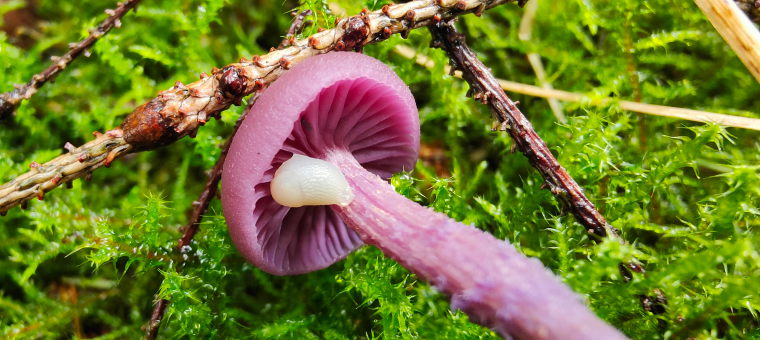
78,162
9,101
485,88
180,110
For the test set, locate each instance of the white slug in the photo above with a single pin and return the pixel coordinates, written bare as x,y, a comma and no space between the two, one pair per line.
303,180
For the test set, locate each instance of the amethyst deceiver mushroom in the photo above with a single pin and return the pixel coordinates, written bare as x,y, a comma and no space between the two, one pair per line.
305,183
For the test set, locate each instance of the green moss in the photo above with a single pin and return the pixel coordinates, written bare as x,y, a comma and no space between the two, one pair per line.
89,261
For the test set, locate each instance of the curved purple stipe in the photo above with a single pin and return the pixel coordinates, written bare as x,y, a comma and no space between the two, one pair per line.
337,101
354,112
487,278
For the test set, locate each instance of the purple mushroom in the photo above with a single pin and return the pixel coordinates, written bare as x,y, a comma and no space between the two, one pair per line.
305,183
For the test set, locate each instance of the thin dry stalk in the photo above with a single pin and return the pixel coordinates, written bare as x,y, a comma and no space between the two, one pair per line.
9,101
650,109
182,109
736,29
525,33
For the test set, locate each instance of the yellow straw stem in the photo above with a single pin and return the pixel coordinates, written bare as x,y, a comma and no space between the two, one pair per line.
736,29
650,109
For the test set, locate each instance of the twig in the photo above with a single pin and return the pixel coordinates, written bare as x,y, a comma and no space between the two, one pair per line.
736,29
210,190
485,88
295,27
9,101
200,206
751,8
650,109
182,109
78,162
155,319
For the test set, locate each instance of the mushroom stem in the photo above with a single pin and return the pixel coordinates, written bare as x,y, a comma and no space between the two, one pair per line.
487,278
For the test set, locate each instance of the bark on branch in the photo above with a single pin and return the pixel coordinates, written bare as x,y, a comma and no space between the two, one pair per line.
9,101
295,27
485,88
736,29
182,109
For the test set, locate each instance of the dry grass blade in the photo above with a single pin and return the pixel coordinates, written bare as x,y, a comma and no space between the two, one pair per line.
736,29
650,109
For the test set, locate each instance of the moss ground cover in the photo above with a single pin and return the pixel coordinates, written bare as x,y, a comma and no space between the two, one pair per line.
88,261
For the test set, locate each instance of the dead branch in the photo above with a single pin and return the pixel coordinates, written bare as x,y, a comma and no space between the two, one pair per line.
200,206
182,109
210,190
9,101
485,88
155,319
295,27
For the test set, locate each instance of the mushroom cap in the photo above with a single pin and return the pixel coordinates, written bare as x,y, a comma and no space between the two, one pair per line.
340,101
